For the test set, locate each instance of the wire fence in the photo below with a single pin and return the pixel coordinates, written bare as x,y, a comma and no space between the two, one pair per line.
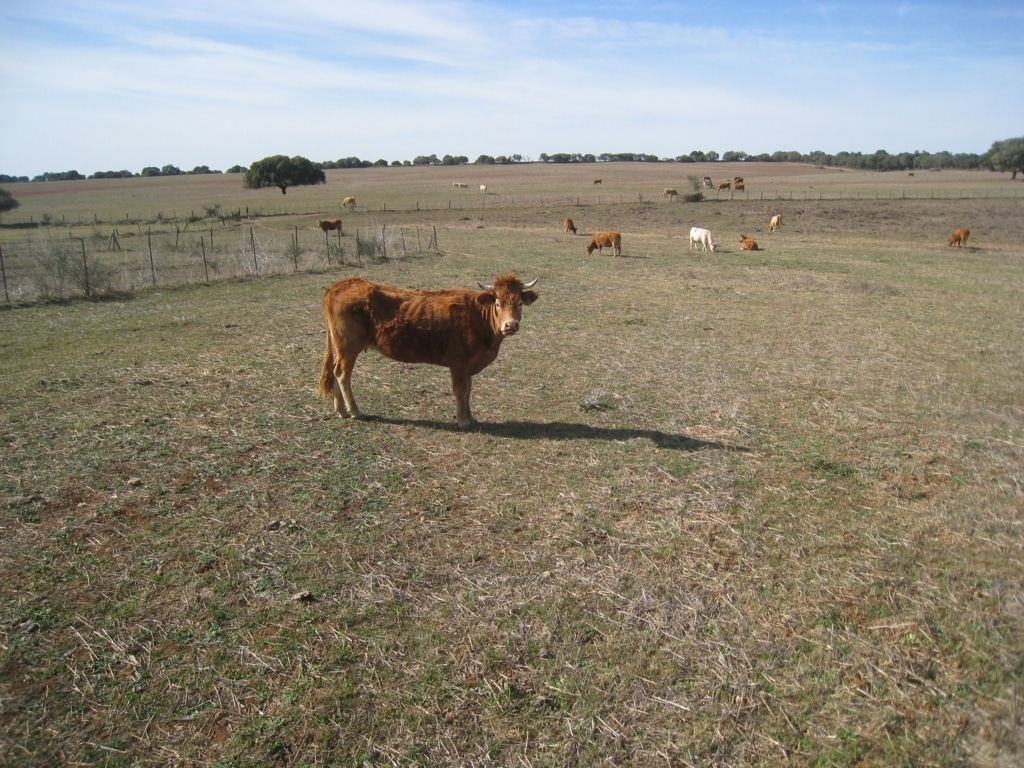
107,255
57,263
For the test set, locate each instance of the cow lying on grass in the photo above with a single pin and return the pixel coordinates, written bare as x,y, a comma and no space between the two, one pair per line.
748,243
461,330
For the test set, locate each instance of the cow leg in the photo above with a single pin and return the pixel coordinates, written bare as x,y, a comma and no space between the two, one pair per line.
462,383
344,401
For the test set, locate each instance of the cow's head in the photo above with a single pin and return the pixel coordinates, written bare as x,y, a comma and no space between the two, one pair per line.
506,298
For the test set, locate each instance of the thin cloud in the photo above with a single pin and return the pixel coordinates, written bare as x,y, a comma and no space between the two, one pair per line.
193,83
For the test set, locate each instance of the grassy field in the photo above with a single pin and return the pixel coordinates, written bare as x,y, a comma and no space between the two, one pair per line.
722,509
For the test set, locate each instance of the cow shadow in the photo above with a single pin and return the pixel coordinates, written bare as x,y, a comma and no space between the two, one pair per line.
562,430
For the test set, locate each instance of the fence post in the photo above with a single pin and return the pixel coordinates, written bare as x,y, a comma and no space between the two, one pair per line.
206,270
152,264
85,265
252,240
3,270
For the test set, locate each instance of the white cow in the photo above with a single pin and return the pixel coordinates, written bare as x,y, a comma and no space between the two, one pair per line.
483,189
702,236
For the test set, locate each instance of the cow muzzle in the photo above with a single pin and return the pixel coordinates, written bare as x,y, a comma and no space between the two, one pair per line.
509,327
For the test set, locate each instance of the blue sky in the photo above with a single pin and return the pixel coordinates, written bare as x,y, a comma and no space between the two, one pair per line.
95,86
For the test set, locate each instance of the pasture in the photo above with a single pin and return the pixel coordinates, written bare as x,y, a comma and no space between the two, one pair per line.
732,508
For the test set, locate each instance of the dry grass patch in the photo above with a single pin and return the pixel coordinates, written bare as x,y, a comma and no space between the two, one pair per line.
730,509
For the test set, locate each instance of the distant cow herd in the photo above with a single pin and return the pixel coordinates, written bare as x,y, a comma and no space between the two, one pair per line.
458,329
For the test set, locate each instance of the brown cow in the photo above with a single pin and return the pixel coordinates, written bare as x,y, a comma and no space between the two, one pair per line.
775,223
603,240
461,330
959,237
348,201
597,181
737,179
748,243
738,186
330,225
670,193
724,185
568,226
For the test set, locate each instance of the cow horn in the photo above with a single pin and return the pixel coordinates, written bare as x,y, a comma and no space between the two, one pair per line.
491,287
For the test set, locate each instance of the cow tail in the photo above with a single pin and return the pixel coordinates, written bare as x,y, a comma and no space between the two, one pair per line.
326,386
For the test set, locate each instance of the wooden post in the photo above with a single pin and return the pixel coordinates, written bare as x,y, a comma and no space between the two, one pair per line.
327,242
252,240
152,264
3,270
206,270
85,266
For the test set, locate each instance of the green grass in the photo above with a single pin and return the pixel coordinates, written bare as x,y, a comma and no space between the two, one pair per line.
730,508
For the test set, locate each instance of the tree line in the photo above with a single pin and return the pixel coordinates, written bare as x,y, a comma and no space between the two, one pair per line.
1004,156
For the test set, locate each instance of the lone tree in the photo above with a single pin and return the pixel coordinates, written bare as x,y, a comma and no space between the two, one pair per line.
7,202
1006,155
282,172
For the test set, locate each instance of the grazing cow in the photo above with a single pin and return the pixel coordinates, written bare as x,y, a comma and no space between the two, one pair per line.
460,185
738,186
348,202
748,243
330,225
461,330
959,237
568,226
670,193
597,181
775,222
603,240
910,174
707,182
483,189
724,185
699,235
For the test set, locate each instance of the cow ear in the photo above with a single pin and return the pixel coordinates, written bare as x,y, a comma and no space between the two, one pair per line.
529,297
486,298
